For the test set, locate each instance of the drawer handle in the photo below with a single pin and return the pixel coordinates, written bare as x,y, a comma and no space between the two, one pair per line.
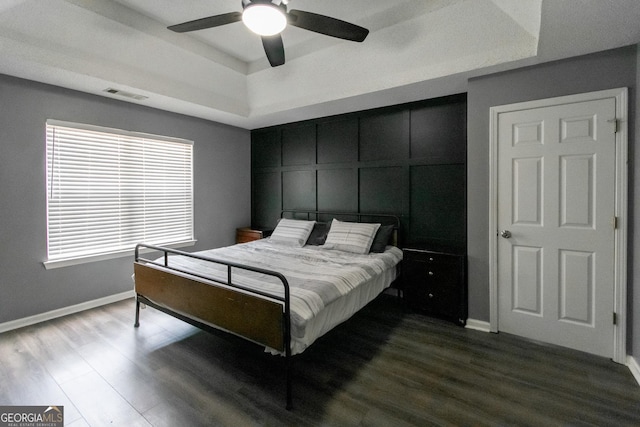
430,259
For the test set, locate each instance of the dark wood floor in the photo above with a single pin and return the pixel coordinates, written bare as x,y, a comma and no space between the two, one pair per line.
387,366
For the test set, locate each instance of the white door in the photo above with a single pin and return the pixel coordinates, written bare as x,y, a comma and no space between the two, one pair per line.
556,213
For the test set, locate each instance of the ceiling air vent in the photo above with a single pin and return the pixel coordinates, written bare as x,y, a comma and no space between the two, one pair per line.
126,94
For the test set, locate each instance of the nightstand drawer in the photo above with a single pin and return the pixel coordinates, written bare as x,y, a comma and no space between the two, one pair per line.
430,258
434,299
420,272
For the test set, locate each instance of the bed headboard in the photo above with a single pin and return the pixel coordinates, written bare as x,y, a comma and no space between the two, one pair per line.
327,216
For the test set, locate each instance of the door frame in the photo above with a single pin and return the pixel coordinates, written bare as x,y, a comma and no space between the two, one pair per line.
621,206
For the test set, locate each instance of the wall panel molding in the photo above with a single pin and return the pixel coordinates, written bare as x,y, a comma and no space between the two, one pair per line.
407,160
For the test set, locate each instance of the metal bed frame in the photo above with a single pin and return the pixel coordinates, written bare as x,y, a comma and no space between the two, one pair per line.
203,301
283,344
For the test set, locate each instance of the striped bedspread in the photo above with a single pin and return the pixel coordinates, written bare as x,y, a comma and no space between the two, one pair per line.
318,279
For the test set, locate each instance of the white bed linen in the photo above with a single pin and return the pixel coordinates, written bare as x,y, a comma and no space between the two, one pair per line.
326,286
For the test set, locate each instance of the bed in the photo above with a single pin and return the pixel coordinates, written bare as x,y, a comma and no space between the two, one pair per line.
282,292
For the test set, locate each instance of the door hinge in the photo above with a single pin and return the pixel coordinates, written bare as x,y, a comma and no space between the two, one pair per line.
615,222
615,318
616,125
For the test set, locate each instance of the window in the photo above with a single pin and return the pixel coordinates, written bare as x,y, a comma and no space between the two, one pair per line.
108,190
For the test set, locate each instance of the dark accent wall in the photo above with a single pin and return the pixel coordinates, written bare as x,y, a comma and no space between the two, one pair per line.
408,160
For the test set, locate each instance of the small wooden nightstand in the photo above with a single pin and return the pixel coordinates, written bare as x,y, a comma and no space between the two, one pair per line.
435,282
248,234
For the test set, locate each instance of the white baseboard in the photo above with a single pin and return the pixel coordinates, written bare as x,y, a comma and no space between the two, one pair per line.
478,325
31,320
634,367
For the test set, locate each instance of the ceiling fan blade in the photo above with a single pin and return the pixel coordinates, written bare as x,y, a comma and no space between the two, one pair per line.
210,22
274,48
326,25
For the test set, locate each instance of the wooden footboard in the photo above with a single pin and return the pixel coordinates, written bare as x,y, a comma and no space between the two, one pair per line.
257,319
208,302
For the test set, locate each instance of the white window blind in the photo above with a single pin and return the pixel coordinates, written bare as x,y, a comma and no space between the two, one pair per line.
108,190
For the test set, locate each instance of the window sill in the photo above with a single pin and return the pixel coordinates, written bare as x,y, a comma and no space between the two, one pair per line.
66,262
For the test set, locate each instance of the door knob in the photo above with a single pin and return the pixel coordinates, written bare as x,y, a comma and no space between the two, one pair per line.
505,233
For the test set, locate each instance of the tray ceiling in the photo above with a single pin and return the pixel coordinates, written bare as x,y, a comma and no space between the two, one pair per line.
416,49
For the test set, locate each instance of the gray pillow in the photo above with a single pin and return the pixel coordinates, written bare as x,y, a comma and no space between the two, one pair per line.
318,234
383,236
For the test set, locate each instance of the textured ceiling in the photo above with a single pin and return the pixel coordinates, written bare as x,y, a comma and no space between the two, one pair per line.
416,49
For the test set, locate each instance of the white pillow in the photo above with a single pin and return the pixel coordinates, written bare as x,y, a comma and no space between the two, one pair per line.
351,236
292,232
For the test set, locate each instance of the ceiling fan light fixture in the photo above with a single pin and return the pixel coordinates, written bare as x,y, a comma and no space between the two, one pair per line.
268,18
264,19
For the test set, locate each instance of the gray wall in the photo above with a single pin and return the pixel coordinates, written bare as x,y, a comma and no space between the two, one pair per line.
222,175
604,70
634,244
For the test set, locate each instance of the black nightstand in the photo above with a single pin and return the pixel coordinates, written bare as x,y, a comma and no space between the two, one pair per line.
435,282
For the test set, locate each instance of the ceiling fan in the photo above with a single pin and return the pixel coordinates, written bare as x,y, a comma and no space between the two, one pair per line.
268,18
